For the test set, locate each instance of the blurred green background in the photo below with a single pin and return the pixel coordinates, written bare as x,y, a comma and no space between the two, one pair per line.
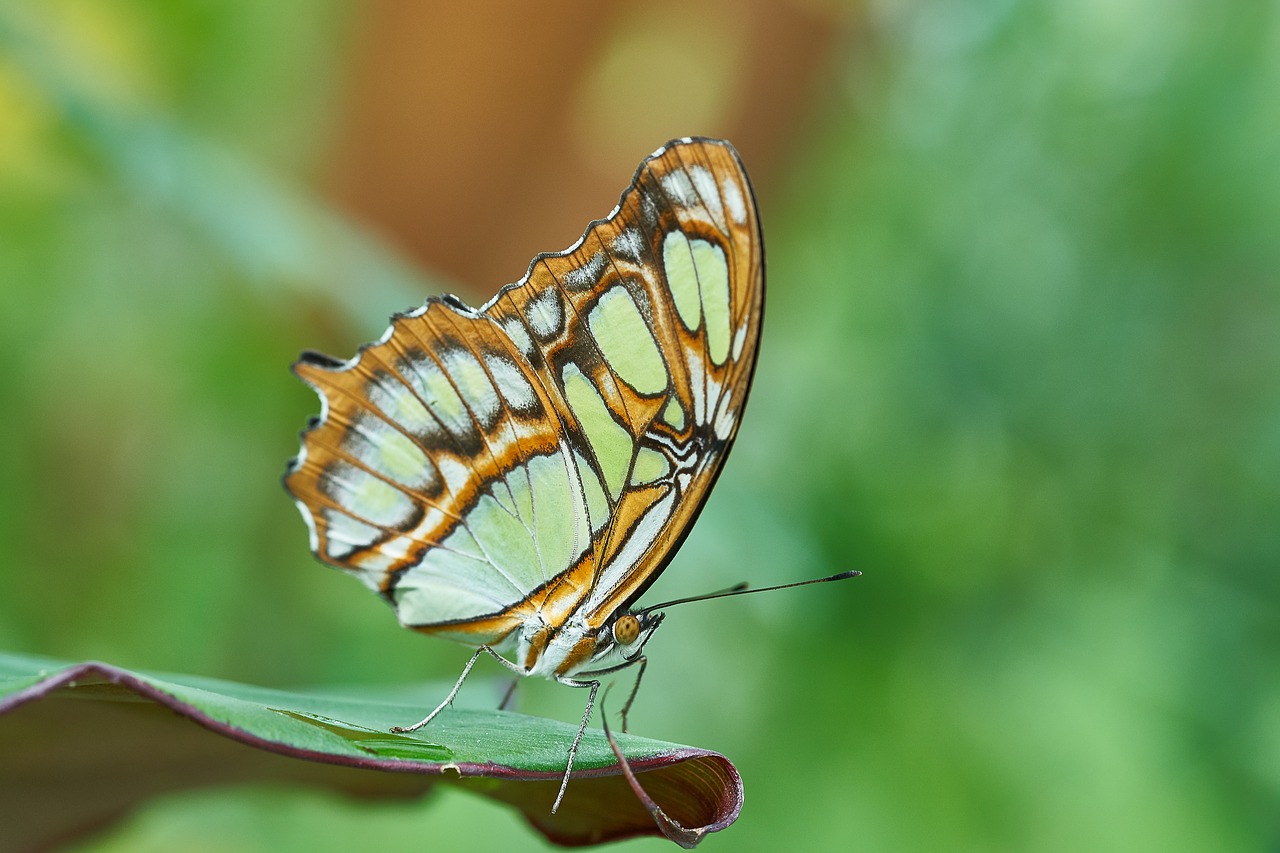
1021,366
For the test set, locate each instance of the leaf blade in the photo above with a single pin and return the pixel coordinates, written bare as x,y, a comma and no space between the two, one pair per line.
104,740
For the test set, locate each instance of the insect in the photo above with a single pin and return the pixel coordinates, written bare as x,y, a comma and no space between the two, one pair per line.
514,477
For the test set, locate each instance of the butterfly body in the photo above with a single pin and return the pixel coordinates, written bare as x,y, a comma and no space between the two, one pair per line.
514,477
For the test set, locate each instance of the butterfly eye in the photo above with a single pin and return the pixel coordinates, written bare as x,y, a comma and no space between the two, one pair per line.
626,630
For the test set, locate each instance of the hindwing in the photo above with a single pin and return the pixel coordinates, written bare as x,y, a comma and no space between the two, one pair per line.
547,452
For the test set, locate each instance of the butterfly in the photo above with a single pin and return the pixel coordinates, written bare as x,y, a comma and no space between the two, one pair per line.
513,477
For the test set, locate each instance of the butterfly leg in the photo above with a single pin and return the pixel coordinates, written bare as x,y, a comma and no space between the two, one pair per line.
448,700
582,729
670,827
635,688
509,695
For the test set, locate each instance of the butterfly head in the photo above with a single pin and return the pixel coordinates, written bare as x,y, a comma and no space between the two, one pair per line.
621,641
629,632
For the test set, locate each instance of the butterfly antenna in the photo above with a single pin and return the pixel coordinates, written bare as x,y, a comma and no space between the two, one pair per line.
742,589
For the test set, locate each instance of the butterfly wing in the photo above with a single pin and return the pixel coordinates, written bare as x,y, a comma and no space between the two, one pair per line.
547,452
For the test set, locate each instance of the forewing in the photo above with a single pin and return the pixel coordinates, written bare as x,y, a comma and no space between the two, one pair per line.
549,450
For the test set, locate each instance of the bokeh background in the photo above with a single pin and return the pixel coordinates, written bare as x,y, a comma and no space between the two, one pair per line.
1021,366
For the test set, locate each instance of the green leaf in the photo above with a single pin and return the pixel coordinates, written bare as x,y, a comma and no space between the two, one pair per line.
83,744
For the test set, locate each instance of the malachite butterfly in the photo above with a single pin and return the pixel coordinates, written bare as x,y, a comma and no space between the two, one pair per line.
514,477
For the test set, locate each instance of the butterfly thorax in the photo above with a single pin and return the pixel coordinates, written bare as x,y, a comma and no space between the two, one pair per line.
575,647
